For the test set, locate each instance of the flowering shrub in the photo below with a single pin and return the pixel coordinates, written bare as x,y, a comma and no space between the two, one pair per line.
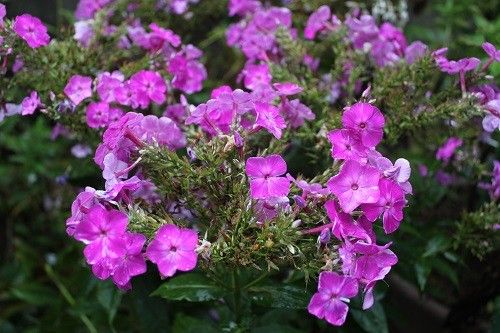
199,176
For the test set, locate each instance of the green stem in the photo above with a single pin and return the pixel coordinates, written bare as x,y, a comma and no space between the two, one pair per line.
236,296
257,280
67,295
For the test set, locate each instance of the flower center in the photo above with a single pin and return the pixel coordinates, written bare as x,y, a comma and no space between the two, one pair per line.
173,249
362,125
354,187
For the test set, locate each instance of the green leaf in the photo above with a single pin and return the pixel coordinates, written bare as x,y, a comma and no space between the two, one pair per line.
35,294
435,245
422,271
187,324
372,320
192,287
275,328
288,297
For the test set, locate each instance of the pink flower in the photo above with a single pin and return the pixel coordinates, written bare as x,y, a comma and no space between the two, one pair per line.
148,86
97,114
366,120
30,104
269,117
344,225
241,7
264,174
132,263
415,51
162,130
32,30
287,88
446,151
346,145
329,302
160,35
78,88
354,185
188,73
390,205
316,22
103,231
173,249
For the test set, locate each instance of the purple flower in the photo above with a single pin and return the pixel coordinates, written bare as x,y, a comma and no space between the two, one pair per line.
446,151
354,185
188,73
267,209
269,117
30,103
297,113
103,231
84,201
81,151
78,88
366,120
287,88
390,205
316,22
173,249
329,302
97,114
415,51
491,51
256,75
84,32
242,7
211,117
159,36
265,180
107,86
162,130
132,263
32,30
3,12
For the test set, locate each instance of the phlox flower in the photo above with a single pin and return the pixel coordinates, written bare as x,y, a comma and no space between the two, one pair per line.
256,75
82,204
188,73
329,302
265,175
344,226
346,145
102,230
491,51
97,114
355,184
297,113
366,120
84,32
30,103
132,263
78,88
415,51
242,7
173,249
390,205
316,22
270,118
3,12
32,30
148,86
447,150
163,131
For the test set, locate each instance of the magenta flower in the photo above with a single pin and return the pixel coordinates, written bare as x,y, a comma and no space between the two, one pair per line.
316,22
132,263
265,180
447,150
159,36
32,30
173,249
354,185
367,120
30,103
329,302
97,114
162,130
346,145
269,117
241,7
148,86
344,225
103,232
78,88
82,204
390,205
188,73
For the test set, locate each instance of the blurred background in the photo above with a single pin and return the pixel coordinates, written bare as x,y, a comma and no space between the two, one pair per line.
45,285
